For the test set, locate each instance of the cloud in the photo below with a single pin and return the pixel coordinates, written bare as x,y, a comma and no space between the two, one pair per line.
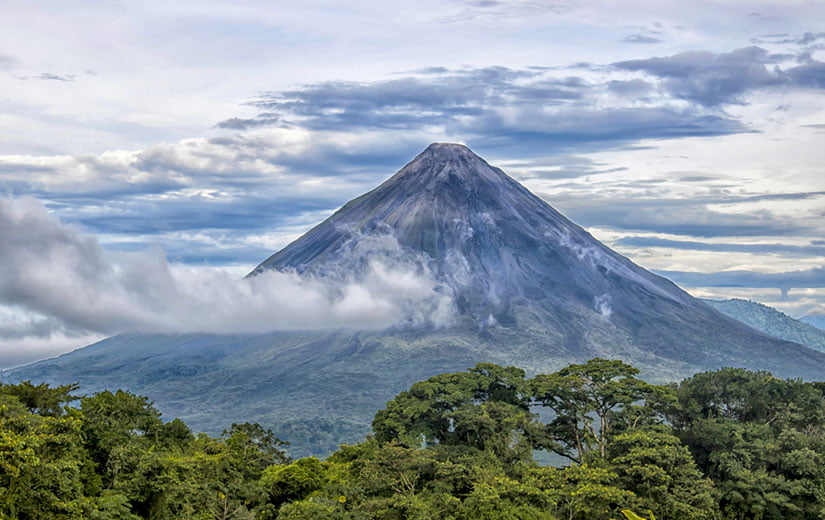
634,88
810,37
8,62
641,38
689,217
57,273
55,77
711,79
714,79
810,75
516,109
236,123
20,351
810,278
780,249
244,182
499,9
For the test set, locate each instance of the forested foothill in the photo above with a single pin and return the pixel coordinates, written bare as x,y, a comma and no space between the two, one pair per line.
727,444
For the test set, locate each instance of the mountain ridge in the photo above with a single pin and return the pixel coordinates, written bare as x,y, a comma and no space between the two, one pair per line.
771,321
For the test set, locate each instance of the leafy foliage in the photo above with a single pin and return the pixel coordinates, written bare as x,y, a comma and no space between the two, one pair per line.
729,444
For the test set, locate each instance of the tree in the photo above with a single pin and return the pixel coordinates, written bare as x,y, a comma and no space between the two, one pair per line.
255,447
117,426
40,461
659,469
760,439
486,408
42,399
593,400
584,491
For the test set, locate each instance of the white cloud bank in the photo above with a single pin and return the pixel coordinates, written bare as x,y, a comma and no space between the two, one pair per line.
62,277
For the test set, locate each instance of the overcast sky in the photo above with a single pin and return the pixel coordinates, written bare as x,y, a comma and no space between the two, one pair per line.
160,140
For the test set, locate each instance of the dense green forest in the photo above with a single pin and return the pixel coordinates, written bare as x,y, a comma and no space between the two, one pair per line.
729,444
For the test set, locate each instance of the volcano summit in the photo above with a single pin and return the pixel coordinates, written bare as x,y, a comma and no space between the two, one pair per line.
516,282
512,262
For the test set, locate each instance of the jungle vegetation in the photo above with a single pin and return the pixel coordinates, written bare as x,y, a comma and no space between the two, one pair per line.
727,444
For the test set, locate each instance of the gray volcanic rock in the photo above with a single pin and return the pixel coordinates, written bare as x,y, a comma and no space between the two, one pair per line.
529,288
512,261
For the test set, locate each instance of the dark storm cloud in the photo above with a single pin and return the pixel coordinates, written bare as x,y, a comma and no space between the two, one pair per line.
810,278
812,249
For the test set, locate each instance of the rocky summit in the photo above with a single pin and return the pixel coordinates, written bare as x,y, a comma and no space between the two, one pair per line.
523,284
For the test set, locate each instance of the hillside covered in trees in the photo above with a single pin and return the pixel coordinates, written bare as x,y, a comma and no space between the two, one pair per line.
728,444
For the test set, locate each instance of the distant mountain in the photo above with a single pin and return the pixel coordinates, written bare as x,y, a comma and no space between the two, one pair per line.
771,321
527,287
815,318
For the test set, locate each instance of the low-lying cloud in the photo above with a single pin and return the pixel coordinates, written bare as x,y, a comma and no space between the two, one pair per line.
54,271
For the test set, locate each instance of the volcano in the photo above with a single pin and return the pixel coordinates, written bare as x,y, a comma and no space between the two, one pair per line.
525,286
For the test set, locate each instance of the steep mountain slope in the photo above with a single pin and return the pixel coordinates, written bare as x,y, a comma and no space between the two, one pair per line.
512,261
527,287
771,321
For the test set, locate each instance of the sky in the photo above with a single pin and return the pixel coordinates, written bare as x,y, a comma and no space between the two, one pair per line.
152,153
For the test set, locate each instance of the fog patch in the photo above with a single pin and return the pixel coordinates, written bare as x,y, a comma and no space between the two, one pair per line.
602,304
56,272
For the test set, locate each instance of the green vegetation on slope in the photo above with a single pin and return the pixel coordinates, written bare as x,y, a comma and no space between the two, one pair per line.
771,321
728,444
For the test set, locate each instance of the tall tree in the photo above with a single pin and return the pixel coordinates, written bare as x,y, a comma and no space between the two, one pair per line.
591,401
486,407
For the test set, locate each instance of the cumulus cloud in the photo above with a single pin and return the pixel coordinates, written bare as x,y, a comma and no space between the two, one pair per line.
54,271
